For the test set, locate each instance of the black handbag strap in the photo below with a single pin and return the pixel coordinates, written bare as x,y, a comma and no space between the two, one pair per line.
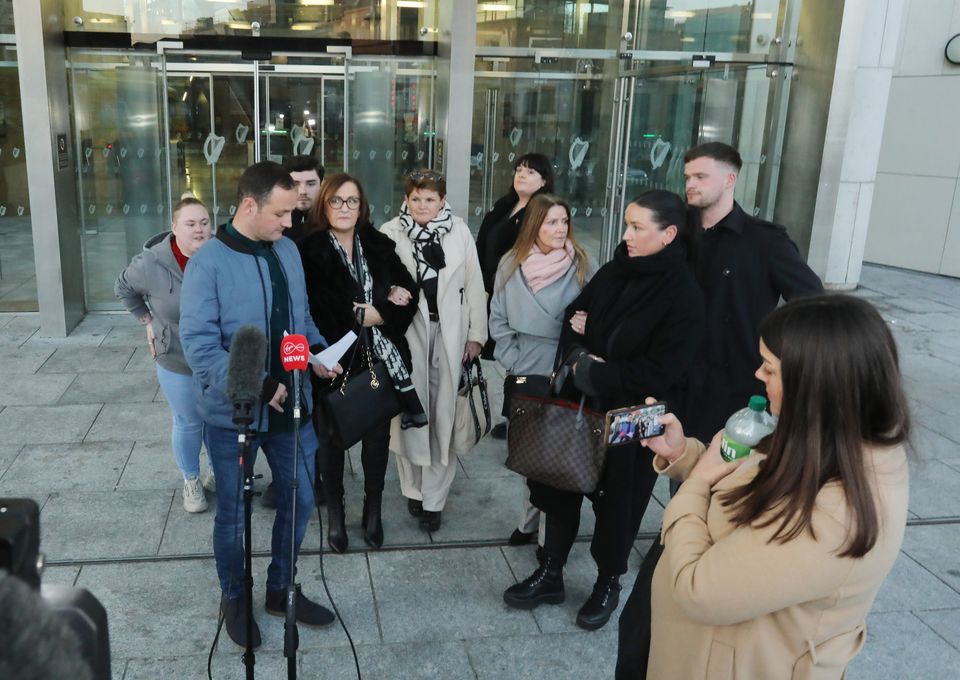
362,341
485,401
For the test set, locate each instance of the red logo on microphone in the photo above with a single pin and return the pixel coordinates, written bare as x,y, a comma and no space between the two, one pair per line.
294,352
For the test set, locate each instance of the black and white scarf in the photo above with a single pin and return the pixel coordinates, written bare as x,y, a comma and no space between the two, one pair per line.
382,346
427,241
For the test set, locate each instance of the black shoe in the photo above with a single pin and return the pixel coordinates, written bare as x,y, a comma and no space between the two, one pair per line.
372,521
430,521
596,611
415,508
499,431
318,492
336,525
234,619
543,586
521,538
269,498
308,613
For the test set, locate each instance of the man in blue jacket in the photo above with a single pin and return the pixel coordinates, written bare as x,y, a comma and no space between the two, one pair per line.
250,274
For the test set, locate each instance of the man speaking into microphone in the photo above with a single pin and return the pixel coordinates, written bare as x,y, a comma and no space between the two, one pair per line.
250,275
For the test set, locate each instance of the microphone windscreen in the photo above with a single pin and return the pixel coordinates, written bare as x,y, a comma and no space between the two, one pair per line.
248,352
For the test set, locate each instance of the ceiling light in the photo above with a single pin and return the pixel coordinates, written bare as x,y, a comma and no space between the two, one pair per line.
495,7
680,14
314,3
303,27
239,25
762,15
417,4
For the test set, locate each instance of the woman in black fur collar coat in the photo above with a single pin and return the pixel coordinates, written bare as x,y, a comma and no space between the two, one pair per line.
349,265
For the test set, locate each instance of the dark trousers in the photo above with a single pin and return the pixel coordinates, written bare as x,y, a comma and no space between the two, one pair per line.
374,455
633,648
619,504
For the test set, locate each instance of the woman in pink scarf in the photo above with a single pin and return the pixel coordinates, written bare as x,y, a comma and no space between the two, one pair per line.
536,280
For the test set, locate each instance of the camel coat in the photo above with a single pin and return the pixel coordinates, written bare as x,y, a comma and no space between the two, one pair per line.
462,305
728,604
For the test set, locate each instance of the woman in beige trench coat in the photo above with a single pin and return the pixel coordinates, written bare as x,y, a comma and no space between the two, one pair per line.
772,562
448,330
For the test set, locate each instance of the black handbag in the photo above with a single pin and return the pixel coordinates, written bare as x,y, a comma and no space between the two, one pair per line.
532,385
362,401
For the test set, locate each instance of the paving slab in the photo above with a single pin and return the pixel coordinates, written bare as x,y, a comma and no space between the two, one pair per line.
444,595
399,527
24,360
934,490
12,335
900,647
945,623
29,389
122,422
911,587
109,524
545,657
936,548
8,452
480,509
118,388
98,360
423,661
125,336
141,361
46,424
946,425
44,468
225,666
66,575
931,445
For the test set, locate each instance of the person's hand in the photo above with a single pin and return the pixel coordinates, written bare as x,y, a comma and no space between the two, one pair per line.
327,373
400,296
151,340
578,322
672,443
712,467
371,317
278,398
471,351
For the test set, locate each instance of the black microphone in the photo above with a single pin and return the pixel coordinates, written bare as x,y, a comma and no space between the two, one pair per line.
248,352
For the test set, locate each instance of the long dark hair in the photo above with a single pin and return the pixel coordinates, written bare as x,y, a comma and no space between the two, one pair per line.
669,209
842,392
329,188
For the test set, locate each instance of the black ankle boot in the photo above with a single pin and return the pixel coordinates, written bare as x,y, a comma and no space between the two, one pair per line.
543,586
337,530
596,611
372,521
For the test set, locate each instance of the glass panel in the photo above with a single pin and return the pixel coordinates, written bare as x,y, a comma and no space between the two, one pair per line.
356,19
550,23
18,280
673,112
121,179
562,110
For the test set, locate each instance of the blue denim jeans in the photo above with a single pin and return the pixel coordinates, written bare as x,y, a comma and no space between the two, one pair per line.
187,435
228,523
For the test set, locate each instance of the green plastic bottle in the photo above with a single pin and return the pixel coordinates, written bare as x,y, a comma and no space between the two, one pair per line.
745,429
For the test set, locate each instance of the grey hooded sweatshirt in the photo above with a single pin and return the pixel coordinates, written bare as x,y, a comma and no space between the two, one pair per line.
151,283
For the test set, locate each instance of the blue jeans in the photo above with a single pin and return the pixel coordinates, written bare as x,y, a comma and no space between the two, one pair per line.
187,435
228,523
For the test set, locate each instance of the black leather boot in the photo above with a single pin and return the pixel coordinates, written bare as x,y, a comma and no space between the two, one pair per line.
543,586
372,521
601,604
337,530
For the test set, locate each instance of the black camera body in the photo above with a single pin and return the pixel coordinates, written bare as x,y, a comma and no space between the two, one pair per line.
44,617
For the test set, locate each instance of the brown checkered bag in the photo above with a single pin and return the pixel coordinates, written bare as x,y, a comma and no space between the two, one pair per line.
556,442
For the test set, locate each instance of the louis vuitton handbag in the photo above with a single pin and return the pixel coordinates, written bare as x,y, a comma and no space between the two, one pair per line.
362,400
556,442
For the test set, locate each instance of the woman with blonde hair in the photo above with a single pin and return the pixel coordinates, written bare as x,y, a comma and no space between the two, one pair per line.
540,275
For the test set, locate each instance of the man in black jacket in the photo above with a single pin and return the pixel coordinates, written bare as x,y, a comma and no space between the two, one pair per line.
745,266
307,174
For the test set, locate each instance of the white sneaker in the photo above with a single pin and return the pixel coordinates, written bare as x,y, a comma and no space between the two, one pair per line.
193,497
208,480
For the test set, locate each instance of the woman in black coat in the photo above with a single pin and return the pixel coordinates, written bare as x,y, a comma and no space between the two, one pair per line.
350,266
632,333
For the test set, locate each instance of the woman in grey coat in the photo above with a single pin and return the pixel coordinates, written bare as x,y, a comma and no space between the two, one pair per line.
543,273
150,290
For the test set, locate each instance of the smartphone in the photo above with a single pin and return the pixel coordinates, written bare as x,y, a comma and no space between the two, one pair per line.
633,423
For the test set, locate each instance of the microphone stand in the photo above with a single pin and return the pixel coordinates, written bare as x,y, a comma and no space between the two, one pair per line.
243,417
291,636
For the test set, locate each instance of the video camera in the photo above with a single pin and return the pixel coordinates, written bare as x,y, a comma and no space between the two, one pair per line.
44,628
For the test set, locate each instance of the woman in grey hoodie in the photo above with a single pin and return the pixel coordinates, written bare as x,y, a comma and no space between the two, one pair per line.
543,273
150,290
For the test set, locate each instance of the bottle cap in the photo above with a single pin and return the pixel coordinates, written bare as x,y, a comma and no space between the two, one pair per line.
757,403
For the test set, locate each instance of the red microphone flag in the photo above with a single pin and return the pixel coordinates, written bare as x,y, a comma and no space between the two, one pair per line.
294,352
